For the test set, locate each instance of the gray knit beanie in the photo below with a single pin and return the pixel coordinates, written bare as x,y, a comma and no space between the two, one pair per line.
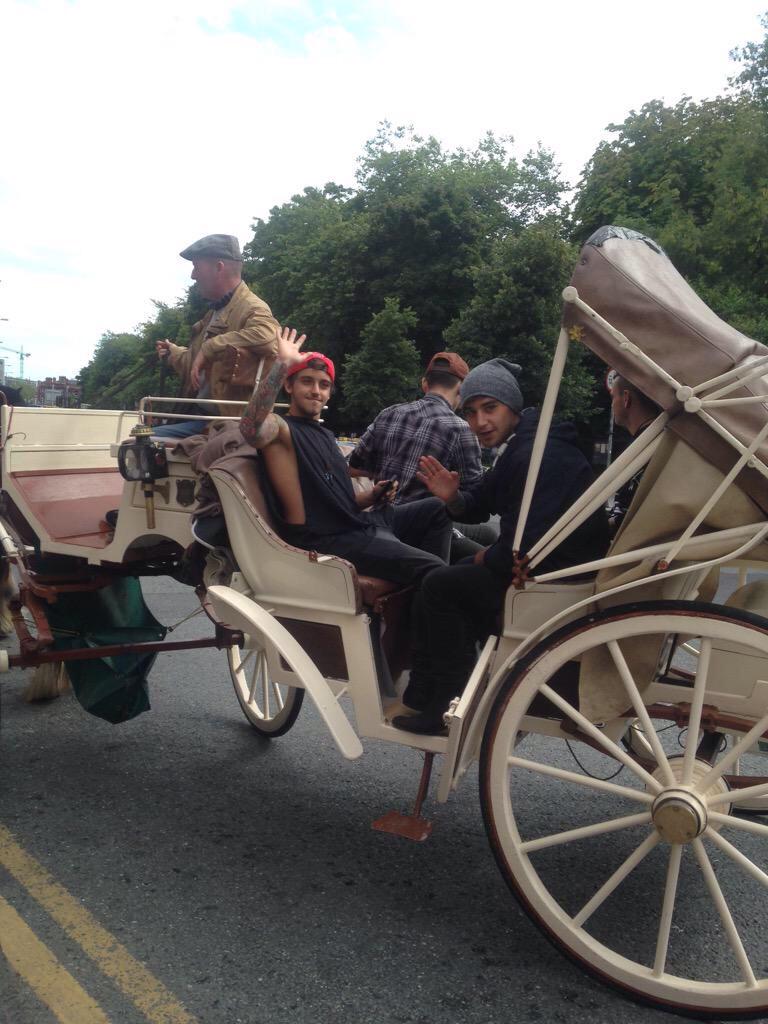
496,379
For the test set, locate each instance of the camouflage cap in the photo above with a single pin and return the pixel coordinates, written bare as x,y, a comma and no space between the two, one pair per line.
215,247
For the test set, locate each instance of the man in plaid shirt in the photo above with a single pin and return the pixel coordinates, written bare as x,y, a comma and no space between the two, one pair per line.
392,445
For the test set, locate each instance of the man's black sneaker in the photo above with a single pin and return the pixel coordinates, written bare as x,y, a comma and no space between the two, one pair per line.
427,723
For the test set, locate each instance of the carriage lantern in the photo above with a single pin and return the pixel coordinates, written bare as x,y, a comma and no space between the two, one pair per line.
144,461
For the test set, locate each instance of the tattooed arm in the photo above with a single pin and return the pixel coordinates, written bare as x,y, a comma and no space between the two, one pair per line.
259,425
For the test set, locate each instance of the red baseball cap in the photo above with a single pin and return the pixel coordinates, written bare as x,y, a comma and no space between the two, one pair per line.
308,357
451,362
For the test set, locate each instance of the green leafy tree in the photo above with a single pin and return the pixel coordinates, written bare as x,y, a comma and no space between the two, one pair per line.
415,227
114,360
515,313
125,367
753,78
305,261
386,368
694,177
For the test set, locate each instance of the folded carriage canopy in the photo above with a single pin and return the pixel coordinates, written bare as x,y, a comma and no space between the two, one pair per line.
630,282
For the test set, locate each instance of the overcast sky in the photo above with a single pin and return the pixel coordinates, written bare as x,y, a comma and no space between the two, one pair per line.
129,130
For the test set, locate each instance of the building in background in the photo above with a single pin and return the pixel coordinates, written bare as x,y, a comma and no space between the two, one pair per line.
58,391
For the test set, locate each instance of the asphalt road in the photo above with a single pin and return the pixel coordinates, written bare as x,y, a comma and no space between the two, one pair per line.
244,874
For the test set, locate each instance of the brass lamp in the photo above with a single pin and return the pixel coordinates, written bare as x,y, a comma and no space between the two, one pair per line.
143,461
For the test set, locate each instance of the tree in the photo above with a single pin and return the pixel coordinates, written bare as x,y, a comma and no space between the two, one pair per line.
115,358
515,313
125,367
386,368
753,78
695,178
418,223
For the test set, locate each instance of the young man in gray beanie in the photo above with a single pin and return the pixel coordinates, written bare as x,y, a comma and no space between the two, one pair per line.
459,605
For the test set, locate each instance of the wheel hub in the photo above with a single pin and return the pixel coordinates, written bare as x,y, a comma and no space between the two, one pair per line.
679,812
679,815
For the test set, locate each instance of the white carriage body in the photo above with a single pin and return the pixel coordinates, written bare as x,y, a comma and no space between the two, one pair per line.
318,627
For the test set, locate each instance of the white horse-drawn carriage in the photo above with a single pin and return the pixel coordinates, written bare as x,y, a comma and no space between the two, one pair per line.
617,664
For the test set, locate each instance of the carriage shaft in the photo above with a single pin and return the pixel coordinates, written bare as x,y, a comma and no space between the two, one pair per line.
225,637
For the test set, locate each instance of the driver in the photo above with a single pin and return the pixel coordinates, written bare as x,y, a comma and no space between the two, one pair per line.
237,320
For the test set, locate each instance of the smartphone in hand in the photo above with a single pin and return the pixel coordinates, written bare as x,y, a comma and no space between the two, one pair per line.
386,493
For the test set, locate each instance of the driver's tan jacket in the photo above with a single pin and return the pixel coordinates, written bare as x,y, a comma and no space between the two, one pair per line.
245,322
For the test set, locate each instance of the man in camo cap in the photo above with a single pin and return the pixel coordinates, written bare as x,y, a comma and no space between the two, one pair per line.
237,330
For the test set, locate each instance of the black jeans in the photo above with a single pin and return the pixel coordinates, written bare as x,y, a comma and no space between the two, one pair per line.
455,607
407,542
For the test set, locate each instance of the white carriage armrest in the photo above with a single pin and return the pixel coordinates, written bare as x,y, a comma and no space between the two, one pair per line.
278,573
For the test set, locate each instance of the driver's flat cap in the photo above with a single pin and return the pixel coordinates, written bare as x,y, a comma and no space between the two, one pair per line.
215,247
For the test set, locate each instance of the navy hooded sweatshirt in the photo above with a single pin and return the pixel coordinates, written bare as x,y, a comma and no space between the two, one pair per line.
564,475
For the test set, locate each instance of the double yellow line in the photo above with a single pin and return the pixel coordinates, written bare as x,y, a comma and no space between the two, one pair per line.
40,969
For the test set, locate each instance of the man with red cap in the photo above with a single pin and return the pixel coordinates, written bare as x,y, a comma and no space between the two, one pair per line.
309,489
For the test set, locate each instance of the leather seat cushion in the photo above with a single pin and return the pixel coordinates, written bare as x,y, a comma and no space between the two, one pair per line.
372,588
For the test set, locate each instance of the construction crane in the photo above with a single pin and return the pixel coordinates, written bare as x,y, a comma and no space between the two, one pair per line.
21,354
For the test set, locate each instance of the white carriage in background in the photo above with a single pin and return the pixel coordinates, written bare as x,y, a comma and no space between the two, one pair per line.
623,662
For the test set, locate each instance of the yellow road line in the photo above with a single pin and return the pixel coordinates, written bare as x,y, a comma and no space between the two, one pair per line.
154,1000
40,969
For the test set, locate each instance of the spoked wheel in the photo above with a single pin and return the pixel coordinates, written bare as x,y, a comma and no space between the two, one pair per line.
270,707
647,880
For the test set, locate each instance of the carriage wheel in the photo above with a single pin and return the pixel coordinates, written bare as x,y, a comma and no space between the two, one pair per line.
647,881
270,707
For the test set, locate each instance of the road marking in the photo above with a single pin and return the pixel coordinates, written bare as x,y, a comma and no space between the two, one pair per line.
40,969
154,1000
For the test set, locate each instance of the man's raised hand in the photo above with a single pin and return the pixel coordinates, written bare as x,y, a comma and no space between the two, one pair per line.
288,346
441,482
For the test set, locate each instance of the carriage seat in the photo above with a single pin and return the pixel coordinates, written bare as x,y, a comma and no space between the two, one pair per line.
243,469
70,505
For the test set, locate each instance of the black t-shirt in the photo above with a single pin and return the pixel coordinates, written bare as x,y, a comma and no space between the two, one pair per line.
326,489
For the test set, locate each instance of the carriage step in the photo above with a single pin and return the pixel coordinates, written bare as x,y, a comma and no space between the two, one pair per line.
410,826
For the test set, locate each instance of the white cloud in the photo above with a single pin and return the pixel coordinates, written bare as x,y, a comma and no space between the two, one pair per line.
131,130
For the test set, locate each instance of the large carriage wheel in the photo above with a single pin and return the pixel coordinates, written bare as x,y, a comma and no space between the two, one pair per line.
270,707
647,881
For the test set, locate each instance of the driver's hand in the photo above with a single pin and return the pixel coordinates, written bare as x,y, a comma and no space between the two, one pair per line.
163,348
197,368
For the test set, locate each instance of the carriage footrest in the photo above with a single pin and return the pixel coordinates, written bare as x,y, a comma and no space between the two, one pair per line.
410,826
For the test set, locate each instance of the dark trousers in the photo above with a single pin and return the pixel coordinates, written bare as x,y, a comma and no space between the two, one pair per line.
408,542
456,607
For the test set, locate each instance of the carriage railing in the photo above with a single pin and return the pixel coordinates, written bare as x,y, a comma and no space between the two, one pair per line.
700,568
694,401
689,550
147,412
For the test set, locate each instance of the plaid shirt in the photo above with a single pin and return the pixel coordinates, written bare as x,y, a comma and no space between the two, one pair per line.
392,445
